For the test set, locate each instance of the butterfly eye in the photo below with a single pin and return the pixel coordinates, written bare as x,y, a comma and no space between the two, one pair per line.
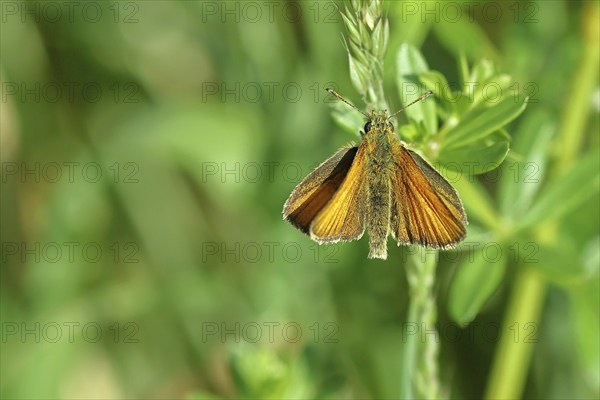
367,127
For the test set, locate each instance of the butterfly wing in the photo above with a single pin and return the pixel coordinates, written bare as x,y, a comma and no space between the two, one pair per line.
311,195
426,209
343,217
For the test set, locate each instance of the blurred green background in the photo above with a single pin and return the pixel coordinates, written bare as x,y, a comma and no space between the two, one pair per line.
147,150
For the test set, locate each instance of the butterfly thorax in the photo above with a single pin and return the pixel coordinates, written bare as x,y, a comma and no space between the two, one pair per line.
378,136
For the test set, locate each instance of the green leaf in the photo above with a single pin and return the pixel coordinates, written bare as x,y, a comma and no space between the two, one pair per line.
463,36
477,201
408,132
437,83
411,65
491,90
481,73
346,117
590,256
475,281
481,122
584,314
463,66
478,157
557,262
413,28
263,373
201,395
566,192
522,177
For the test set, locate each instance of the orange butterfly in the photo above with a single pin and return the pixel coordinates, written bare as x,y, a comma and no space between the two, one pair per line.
379,185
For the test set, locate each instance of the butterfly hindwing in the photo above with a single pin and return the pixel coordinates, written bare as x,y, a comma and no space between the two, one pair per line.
426,209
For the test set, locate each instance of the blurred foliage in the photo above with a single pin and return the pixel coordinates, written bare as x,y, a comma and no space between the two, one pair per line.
178,130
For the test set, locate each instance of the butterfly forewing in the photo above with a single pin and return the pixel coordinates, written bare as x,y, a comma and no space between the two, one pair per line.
316,190
343,218
426,209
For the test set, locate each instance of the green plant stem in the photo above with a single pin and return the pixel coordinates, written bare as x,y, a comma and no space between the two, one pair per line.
513,354
512,358
409,355
419,360
585,81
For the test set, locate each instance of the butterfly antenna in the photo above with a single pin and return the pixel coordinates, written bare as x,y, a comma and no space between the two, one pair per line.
421,97
333,92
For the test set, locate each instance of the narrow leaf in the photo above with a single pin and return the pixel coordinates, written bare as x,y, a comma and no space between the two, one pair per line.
523,174
411,64
475,281
566,192
477,202
482,122
479,157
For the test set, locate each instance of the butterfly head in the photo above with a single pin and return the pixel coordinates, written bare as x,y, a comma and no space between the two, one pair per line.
378,120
